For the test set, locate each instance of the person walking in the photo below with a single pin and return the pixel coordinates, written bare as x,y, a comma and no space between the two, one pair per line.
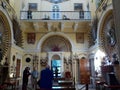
46,79
34,77
26,74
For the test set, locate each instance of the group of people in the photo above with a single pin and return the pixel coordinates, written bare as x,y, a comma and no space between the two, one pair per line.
45,81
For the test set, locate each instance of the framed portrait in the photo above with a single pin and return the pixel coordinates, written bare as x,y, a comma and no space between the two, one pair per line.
80,37
32,6
31,38
78,6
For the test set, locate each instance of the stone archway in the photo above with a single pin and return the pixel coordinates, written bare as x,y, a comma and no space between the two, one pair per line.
104,25
5,45
100,30
46,36
56,59
56,43
55,47
5,35
108,37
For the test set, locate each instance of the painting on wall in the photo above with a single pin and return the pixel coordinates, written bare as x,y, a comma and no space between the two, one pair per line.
31,38
32,6
80,37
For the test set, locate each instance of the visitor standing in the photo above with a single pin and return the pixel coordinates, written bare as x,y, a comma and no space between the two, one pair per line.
34,77
26,75
46,79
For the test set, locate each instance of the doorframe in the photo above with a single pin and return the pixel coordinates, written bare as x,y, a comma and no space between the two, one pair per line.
61,55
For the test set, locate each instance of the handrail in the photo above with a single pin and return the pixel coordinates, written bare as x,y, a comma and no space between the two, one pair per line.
55,15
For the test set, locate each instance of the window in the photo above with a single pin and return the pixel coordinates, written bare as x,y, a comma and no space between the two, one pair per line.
78,6
32,6
56,12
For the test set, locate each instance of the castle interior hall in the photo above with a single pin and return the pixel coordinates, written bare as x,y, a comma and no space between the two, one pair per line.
78,39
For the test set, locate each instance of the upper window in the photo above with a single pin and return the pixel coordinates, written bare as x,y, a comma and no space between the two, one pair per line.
56,12
55,8
32,6
78,6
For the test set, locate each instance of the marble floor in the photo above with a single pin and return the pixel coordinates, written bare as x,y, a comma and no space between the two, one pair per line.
82,87
77,86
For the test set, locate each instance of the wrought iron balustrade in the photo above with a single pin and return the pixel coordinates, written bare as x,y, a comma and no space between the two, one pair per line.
55,15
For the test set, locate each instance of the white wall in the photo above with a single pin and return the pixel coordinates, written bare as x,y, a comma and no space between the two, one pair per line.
44,5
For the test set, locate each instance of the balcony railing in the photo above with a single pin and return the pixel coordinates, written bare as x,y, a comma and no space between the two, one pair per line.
55,15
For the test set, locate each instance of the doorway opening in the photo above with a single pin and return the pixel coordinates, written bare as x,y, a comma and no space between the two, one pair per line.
56,64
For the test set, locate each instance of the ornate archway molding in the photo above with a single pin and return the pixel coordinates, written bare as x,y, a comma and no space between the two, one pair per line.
39,45
8,33
101,23
7,20
105,27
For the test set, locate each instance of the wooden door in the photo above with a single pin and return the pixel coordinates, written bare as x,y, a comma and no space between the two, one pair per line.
18,67
84,71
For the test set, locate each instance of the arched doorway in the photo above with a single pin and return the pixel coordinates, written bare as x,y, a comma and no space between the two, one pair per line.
55,48
56,63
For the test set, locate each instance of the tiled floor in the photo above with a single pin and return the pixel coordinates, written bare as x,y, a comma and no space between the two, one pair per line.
82,87
78,87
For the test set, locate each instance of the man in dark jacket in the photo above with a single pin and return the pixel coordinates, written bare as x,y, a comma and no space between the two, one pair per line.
46,79
26,74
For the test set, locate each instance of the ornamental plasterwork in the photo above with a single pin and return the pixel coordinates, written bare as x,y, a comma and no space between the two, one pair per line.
56,43
108,37
17,33
93,32
5,38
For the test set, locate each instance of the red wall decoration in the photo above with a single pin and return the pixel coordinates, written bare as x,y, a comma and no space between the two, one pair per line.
80,37
31,38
